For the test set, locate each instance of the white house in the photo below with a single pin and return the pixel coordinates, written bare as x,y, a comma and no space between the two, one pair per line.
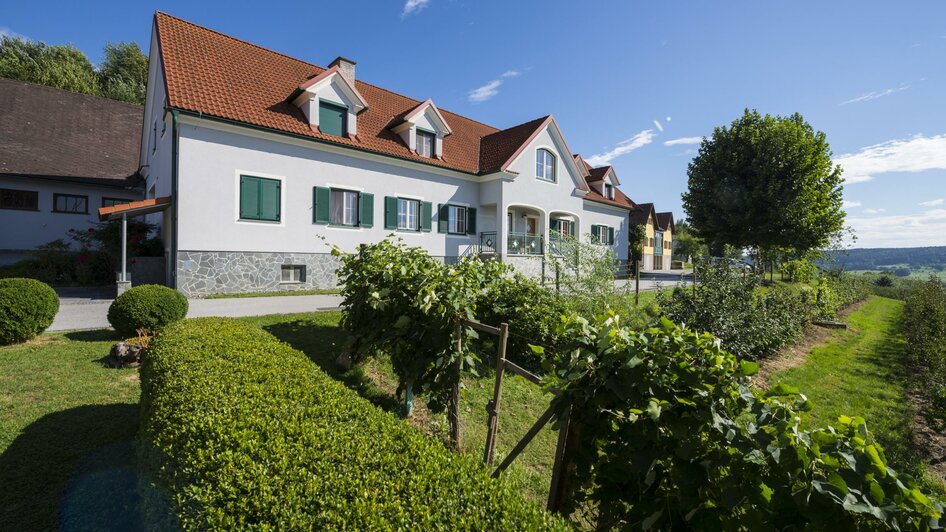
62,156
266,159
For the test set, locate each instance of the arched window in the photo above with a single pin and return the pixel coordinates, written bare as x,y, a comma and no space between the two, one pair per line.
544,165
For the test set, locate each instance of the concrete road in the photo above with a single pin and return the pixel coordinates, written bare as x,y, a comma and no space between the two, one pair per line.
89,310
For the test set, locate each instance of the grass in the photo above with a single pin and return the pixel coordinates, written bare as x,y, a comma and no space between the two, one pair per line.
66,427
860,372
326,291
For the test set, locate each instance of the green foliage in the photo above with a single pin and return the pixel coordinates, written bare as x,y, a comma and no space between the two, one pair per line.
883,281
836,291
924,324
402,301
123,74
728,303
767,183
27,308
669,435
687,244
799,270
245,432
148,306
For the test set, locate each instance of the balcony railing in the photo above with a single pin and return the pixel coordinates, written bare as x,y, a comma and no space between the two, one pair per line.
488,242
524,244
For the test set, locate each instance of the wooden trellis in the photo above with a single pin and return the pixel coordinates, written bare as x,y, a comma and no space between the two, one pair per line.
557,485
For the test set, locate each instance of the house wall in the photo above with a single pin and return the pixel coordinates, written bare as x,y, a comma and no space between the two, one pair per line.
156,138
24,230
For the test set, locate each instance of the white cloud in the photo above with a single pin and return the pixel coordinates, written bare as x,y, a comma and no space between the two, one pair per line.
510,74
660,127
7,32
412,6
916,154
850,204
625,146
931,203
874,211
924,229
481,94
683,141
876,94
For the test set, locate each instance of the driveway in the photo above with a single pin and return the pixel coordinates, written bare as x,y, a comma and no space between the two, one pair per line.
88,309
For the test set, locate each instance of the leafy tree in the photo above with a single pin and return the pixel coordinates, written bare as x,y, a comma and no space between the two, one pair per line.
766,183
686,243
124,72
61,66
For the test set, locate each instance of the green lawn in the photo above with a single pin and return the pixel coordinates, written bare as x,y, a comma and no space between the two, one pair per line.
278,293
860,372
66,427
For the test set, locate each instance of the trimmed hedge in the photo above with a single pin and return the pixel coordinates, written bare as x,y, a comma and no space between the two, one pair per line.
27,308
149,306
243,431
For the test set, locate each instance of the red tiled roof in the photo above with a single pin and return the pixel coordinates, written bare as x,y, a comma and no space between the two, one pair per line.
597,174
148,204
665,220
497,148
640,214
214,74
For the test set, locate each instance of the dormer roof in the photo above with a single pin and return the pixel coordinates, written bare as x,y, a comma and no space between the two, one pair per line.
333,75
419,110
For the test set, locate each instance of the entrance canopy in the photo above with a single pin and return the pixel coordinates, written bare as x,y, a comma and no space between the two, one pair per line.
135,208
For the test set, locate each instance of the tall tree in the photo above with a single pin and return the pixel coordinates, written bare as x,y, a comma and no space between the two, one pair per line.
124,72
686,243
766,183
61,66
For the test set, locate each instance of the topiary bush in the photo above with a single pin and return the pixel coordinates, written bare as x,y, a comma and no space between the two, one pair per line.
244,432
27,308
148,306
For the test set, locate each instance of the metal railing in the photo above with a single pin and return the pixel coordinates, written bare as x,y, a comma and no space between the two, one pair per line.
524,244
488,242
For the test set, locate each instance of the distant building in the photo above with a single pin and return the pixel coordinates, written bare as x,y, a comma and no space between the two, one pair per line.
658,237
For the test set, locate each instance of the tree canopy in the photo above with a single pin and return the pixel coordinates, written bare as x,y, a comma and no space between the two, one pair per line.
766,183
123,74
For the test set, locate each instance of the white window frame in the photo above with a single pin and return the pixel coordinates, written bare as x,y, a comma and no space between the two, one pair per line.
456,222
296,273
543,167
350,213
562,221
408,219
602,235
429,135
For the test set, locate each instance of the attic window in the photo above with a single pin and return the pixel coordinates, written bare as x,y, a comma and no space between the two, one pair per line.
544,165
333,119
608,191
425,143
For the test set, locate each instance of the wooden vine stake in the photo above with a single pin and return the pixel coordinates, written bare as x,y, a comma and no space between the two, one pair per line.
493,408
454,415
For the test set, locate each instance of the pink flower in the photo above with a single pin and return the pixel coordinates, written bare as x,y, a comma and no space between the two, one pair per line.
83,258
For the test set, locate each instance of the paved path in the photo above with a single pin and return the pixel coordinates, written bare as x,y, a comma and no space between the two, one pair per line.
90,311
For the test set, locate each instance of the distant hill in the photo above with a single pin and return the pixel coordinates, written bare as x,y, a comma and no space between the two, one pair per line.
877,259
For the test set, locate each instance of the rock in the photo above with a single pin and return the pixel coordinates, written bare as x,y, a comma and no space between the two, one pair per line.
125,355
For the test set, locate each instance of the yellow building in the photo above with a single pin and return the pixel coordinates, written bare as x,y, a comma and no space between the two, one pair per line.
658,237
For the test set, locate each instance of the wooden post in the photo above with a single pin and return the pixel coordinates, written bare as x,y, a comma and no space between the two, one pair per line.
558,279
493,407
555,488
637,282
454,416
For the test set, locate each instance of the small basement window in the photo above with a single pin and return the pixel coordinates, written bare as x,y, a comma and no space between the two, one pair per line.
292,273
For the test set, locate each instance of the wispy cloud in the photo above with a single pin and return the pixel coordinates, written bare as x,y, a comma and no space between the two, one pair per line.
7,32
625,146
874,211
850,204
923,229
481,94
510,74
876,94
683,141
413,6
931,203
917,154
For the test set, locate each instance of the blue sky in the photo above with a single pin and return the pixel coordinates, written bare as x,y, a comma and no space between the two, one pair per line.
633,84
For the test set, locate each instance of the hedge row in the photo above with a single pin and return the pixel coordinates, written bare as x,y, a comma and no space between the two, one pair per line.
243,431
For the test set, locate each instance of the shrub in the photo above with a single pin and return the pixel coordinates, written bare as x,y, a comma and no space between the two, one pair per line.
924,324
148,306
836,291
27,308
667,433
883,281
799,270
244,432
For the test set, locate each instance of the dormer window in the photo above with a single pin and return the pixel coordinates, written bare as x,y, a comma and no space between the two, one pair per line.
426,143
609,190
333,119
544,165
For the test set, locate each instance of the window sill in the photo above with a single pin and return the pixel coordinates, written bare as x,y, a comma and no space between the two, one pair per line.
69,212
252,221
291,283
548,181
15,209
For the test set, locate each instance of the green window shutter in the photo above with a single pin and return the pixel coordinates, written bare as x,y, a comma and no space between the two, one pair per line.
321,197
574,227
470,221
611,236
333,119
594,233
366,209
390,212
249,198
426,209
269,191
443,218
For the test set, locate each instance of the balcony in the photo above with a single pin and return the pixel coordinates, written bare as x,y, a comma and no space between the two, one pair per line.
516,243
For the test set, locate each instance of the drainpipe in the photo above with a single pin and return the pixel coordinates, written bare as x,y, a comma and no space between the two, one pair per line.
174,198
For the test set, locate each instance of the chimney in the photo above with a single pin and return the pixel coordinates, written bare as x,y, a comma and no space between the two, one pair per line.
346,67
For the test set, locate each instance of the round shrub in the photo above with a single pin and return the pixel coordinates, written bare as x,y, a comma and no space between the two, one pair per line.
27,308
148,306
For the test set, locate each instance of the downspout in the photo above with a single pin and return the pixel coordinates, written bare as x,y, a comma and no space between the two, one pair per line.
174,196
